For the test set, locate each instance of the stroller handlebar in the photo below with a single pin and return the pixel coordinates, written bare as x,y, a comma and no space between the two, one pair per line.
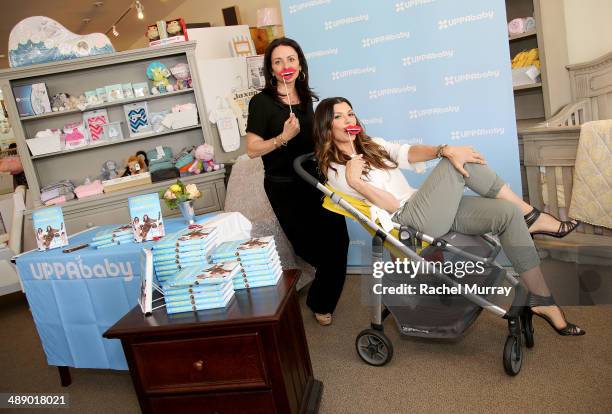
297,166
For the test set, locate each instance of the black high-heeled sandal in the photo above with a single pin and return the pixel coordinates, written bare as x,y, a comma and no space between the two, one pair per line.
565,227
536,300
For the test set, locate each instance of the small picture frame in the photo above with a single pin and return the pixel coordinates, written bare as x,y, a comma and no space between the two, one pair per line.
141,89
114,92
94,121
137,118
91,97
113,131
128,92
102,97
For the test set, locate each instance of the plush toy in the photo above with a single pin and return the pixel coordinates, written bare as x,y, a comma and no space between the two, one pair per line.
136,164
204,161
159,74
183,77
152,33
60,102
109,170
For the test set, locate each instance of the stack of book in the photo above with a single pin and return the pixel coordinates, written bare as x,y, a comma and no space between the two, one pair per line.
113,237
186,248
200,287
258,261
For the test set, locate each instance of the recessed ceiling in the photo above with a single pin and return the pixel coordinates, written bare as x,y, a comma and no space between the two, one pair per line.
72,14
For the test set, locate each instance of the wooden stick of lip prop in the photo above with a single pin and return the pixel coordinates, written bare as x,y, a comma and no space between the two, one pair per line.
286,74
353,130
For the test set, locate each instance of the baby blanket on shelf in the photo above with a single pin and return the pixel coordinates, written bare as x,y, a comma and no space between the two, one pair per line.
592,192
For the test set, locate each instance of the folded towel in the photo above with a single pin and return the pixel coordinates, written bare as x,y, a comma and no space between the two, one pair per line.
90,189
516,26
530,24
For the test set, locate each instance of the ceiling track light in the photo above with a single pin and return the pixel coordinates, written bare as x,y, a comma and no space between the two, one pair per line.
139,9
115,32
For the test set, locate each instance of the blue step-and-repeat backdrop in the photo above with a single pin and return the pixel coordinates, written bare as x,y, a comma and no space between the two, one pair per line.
416,71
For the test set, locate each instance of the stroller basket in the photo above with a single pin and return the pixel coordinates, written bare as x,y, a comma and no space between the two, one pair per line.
420,313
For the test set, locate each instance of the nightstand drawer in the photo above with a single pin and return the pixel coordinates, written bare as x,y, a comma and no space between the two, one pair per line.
261,402
213,363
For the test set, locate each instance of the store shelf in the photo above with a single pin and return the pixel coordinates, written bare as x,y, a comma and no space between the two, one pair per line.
522,35
106,105
119,141
526,87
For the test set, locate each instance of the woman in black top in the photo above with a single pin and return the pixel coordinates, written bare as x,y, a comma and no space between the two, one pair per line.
279,129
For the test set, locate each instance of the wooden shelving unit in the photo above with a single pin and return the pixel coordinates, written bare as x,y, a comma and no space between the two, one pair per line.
76,164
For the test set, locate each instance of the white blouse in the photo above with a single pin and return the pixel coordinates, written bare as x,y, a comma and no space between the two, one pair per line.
392,180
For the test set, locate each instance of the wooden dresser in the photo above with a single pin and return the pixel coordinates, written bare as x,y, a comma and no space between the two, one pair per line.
250,357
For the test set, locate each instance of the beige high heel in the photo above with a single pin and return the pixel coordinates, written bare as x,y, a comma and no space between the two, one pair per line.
323,319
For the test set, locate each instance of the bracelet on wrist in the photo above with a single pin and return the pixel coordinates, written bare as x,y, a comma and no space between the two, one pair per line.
283,141
440,150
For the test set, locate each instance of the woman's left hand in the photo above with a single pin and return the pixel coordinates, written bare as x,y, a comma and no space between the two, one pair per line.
458,156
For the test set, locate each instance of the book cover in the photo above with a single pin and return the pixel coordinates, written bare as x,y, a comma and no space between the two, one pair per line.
195,235
146,281
49,228
203,275
146,218
258,246
113,232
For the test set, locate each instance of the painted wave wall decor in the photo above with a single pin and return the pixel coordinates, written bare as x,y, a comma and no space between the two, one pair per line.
40,39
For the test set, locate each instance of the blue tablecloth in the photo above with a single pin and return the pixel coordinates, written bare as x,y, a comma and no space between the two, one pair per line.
75,297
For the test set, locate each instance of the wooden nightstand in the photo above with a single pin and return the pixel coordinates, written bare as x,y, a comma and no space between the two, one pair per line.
250,357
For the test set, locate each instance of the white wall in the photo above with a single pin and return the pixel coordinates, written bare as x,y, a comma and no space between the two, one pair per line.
201,11
589,29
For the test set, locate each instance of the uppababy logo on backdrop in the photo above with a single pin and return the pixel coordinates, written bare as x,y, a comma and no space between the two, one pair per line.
372,121
332,24
447,23
411,60
371,41
419,113
455,79
379,93
480,132
321,53
352,72
294,8
405,5
75,269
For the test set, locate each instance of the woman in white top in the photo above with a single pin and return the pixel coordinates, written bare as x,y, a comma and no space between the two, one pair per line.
369,169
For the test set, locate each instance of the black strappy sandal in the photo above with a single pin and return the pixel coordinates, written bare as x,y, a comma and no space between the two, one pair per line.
536,300
565,227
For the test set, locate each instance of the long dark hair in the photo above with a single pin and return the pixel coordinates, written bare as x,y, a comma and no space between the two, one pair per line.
326,150
307,96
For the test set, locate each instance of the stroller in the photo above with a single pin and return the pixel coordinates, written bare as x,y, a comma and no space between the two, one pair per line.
427,315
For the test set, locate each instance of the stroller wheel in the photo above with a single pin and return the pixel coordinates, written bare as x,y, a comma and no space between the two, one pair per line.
528,331
513,355
374,347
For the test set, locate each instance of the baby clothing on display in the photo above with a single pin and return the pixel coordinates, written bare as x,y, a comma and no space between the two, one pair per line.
57,192
227,125
89,189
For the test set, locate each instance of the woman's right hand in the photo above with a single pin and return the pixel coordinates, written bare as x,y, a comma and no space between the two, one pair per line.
354,171
291,128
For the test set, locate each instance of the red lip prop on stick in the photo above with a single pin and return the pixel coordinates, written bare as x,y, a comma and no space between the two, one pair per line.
287,73
353,129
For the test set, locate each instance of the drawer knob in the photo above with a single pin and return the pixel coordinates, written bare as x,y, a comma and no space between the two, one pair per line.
198,365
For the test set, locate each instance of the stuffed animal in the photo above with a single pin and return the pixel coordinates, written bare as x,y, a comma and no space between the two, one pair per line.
153,33
174,28
159,74
204,161
136,164
109,170
183,77
60,102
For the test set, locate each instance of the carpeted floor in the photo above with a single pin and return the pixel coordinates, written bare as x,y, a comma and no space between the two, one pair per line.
559,374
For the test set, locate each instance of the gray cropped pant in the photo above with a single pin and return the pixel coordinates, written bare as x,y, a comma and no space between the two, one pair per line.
440,206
